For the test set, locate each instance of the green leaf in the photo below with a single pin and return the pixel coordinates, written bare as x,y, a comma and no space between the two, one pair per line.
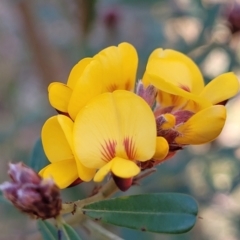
160,212
69,233
48,231
38,158
3,199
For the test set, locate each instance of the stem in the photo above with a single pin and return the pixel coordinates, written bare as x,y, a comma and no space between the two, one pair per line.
105,192
40,47
143,175
86,13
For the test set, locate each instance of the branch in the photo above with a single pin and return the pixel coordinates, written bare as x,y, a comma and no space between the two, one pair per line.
105,192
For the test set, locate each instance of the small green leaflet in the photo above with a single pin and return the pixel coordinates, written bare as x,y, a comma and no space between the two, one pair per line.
38,158
50,232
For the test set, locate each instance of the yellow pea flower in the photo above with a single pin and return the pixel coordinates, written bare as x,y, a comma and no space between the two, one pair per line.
106,128
185,112
181,83
111,69
114,133
183,127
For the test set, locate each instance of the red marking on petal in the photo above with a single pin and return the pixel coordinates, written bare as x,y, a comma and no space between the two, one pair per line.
128,86
108,150
112,88
129,148
185,88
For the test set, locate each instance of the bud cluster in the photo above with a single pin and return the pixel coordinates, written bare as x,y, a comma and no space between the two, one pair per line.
40,198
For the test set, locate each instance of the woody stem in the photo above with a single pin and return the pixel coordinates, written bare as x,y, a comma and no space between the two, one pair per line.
105,192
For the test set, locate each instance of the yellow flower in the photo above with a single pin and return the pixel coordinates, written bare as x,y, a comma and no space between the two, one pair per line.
185,113
183,127
176,74
106,128
114,133
57,143
202,127
111,69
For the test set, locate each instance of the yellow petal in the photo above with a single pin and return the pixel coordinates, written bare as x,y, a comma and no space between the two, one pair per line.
192,106
59,95
129,65
202,127
114,124
66,125
137,125
165,86
170,100
113,68
86,174
102,172
176,68
221,88
57,138
87,87
162,148
124,168
170,121
77,71
64,173
119,67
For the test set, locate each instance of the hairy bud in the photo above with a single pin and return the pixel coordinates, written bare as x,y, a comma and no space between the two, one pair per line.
30,193
148,93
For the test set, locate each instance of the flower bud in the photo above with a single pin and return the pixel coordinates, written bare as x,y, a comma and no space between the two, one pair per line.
40,198
148,93
233,16
122,183
111,19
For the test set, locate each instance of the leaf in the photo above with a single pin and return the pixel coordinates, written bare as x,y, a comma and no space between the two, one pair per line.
69,233
48,231
38,158
4,200
160,212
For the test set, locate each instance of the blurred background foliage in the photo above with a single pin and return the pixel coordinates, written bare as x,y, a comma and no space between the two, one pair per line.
40,41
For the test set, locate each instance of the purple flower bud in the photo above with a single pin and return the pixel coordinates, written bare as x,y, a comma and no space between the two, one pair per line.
233,16
111,18
148,93
21,174
30,193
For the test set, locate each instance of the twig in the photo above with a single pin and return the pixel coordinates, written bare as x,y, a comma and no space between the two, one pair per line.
105,192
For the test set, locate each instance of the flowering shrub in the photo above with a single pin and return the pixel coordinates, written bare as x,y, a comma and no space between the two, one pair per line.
111,126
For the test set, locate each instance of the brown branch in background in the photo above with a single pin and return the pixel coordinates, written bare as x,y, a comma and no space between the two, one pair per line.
86,12
47,60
